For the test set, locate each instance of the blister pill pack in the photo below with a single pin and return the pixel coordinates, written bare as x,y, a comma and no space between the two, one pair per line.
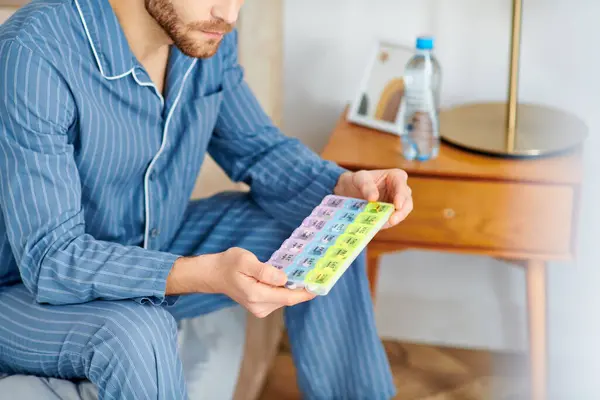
322,248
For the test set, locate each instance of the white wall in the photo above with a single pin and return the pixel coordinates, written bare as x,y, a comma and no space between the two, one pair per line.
451,299
5,12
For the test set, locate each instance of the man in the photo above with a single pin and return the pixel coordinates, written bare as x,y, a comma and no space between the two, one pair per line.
106,113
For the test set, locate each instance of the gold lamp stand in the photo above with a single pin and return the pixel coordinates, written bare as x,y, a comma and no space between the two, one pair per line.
512,130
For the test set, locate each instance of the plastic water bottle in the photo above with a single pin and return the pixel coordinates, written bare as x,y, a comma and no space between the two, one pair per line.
422,82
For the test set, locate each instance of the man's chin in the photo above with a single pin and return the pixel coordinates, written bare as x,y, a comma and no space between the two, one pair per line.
196,45
199,50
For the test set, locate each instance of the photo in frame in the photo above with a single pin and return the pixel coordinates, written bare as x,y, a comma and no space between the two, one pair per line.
379,102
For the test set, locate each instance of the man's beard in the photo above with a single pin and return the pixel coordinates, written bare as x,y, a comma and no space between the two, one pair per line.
180,33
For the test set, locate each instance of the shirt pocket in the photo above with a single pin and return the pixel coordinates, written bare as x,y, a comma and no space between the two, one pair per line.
204,112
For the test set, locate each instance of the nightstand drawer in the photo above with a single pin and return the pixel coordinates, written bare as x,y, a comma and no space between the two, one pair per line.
492,215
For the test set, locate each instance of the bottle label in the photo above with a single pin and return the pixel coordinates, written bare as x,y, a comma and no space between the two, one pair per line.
421,103
421,112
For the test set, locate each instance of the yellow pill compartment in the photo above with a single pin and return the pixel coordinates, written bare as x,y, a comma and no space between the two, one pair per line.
359,229
319,276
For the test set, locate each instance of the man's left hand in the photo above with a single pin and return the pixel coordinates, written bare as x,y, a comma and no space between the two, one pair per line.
389,185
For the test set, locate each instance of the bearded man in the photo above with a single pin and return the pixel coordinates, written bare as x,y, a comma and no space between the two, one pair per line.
107,109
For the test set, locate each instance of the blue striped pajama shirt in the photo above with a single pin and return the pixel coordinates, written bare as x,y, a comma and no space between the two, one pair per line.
96,172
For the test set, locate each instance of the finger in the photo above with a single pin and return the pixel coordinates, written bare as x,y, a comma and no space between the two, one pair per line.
397,182
395,219
407,208
263,310
277,295
267,274
401,214
392,221
365,183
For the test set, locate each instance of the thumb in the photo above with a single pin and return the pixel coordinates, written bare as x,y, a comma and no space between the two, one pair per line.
269,274
365,183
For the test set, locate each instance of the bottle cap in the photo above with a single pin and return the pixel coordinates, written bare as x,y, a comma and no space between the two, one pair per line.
425,43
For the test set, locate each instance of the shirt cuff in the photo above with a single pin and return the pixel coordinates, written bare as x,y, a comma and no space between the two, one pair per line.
157,297
300,206
332,175
323,185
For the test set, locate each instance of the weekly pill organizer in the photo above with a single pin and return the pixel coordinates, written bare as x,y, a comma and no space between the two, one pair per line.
319,251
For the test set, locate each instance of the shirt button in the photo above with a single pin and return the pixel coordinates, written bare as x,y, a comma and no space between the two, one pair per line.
154,232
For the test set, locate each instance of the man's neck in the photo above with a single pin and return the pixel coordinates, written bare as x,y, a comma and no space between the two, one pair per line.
147,40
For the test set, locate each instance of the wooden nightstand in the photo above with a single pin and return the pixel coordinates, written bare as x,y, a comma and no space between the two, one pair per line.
524,211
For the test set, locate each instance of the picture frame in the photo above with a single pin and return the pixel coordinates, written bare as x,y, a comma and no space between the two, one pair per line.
379,101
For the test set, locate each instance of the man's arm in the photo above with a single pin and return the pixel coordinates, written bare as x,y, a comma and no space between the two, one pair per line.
40,196
286,178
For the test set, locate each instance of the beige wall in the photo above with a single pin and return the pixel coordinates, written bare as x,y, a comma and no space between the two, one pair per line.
5,12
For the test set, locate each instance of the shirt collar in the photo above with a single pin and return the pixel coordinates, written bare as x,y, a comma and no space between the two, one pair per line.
106,37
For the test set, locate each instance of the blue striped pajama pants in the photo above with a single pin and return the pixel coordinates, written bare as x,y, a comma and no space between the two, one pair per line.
129,350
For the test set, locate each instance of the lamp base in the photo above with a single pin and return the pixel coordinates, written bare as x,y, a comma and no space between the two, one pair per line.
540,130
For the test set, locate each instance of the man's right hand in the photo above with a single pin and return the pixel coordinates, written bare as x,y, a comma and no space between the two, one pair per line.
238,274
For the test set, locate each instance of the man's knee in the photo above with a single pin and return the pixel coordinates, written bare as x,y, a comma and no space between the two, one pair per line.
132,340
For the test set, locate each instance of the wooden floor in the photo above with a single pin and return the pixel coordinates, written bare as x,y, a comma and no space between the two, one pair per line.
428,373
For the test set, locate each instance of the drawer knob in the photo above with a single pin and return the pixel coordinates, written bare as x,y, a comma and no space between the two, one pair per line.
449,213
